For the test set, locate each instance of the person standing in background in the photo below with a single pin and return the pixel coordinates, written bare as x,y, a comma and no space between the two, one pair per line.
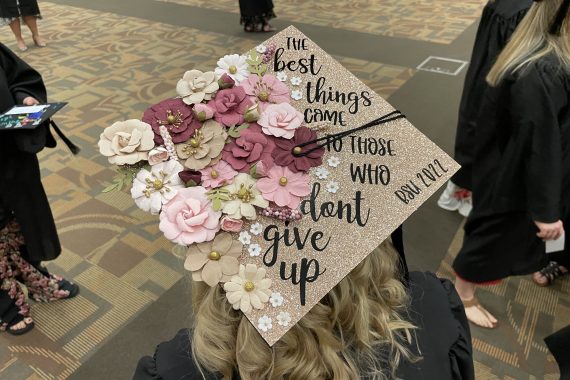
10,13
255,15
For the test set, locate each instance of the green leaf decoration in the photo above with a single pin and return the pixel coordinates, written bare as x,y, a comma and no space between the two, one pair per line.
191,183
109,188
253,171
235,130
217,204
255,62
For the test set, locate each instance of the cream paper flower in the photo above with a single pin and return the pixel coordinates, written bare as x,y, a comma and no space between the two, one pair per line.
196,86
234,65
249,289
127,142
204,147
151,189
244,196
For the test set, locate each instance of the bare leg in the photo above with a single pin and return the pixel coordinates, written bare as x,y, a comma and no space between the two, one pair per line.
475,313
31,22
17,30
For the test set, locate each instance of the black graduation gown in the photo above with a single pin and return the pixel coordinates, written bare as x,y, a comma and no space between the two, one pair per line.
521,173
21,192
10,9
256,11
498,22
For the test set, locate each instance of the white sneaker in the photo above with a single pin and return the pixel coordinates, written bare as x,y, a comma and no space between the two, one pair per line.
447,200
466,206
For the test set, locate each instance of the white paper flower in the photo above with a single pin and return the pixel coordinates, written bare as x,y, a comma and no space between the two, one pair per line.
248,289
196,86
322,173
151,189
244,196
296,95
261,48
333,162
126,142
264,323
276,299
244,238
295,81
281,76
254,250
283,318
332,187
234,65
256,229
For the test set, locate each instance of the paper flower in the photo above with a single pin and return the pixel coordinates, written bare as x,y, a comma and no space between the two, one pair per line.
234,65
157,155
283,152
206,145
333,161
231,225
261,48
176,116
332,187
264,323
230,106
226,81
284,187
254,250
280,120
196,86
244,196
217,175
189,218
203,112
190,175
322,173
244,237
265,90
151,189
252,147
281,76
248,289
276,299
126,142
215,261
252,114
295,81
283,318
296,95
256,229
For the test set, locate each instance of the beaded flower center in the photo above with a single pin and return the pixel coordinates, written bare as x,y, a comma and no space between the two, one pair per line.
249,286
194,143
283,181
174,120
156,184
244,194
215,256
232,69
214,174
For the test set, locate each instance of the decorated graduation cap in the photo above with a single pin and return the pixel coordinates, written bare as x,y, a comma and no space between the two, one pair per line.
275,174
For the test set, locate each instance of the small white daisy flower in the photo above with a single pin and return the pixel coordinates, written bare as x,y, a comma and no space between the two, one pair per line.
295,81
256,228
332,187
296,95
244,238
322,173
254,250
281,76
261,48
264,323
234,65
276,299
333,162
283,318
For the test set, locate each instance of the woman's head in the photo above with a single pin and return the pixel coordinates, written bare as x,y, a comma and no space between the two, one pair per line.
342,337
545,29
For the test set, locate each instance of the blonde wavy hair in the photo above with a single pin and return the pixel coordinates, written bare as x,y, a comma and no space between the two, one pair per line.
340,338
532,41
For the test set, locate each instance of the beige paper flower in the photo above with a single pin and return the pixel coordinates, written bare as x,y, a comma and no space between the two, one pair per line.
196,86
205,146
126,142
214,261
245,196
248,289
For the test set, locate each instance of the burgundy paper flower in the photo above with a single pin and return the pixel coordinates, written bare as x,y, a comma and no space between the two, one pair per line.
252,146
176,116
190,175
230,105
283,152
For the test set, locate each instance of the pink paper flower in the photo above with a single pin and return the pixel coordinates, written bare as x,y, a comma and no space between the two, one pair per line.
283,152
284,187
265,90
176,116
189,218
230,106
231,225
218,175
203,111
251,147
280,120
157,155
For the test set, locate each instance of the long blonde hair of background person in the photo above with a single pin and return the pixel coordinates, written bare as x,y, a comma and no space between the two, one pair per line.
340,338
531,41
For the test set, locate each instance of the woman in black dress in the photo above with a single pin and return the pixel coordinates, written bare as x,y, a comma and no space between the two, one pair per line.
255,15
27,229
10,13
521,171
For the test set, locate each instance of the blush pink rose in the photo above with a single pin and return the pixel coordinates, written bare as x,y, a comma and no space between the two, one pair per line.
231,224
265,90
157,155
189,218
280,120
203,112
284,187
220,174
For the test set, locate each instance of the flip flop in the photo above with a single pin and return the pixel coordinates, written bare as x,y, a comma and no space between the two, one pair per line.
475,303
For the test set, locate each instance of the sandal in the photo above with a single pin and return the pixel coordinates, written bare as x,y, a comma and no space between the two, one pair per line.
39,42
21,331
65,290
474,302
550,272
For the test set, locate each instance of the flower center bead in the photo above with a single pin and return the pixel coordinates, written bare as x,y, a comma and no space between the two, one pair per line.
232,69
249,286
214,174
214,256
283,181
297,150
263,96
157,184
244,194
171,119
194,143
